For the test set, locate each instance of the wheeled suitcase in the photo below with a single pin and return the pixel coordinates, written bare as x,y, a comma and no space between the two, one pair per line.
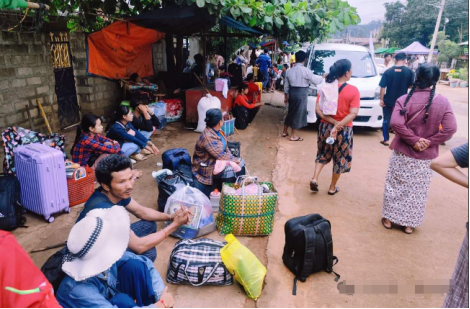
172,158
41,172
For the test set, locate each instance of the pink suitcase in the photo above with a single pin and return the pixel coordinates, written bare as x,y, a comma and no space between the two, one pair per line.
41,172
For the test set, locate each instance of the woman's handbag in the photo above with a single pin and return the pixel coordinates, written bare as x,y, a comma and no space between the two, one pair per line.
247,214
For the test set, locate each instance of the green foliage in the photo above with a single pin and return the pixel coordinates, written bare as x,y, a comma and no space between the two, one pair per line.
448,50
461,74
298,20
416,21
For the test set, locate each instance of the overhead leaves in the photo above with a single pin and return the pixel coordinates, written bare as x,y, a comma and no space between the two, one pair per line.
297,20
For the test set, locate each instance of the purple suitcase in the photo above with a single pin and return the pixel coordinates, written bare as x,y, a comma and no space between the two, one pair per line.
41,172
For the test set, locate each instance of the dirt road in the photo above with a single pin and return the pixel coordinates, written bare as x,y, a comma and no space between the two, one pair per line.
365,249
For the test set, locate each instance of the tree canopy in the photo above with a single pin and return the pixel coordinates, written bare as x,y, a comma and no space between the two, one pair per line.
297,20
416,21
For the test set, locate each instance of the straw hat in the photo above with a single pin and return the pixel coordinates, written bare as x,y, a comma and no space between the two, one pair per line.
97,242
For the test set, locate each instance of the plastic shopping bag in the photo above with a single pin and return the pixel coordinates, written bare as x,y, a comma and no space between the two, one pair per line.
244,266
201,220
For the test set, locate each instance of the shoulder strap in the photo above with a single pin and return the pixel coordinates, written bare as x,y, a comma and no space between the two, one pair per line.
342,87
309,255
331,259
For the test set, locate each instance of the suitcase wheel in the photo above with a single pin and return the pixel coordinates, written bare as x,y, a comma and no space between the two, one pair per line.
50,219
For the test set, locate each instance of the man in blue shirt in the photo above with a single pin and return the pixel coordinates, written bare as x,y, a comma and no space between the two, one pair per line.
114,174
101,274
264,62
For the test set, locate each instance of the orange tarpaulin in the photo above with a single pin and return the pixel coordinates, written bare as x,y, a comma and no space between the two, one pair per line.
121,49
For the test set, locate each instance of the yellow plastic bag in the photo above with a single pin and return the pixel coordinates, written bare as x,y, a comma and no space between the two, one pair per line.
244,266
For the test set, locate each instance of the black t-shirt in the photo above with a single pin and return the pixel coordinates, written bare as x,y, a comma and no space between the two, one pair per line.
461,155
397,80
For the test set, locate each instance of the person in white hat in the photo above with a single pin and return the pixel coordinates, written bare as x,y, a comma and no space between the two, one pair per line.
114,174
100,273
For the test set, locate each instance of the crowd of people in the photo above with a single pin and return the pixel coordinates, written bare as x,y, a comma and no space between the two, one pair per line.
109,261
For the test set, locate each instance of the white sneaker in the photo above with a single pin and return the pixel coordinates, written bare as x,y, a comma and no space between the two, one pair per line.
133,161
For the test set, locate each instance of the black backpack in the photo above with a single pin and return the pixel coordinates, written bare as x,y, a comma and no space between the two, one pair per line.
241,115
11,210
309,247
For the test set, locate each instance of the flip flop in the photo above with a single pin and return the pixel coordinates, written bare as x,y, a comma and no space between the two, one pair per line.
313,187
404,230
333,193
284,134
298,139
383,223
138,157
384,143
137,174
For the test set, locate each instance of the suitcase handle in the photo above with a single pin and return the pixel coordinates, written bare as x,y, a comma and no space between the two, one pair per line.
23,156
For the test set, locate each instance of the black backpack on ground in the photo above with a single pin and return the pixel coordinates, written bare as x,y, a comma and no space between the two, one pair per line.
241,115
309,247
52,269
11,210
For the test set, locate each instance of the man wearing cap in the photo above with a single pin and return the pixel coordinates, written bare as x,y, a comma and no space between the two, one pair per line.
114,174
100,273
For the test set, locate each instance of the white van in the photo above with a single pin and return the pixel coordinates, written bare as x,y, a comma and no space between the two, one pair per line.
365,77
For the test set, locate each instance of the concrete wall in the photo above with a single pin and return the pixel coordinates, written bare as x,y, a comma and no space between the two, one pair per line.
95,95
159,56
26,74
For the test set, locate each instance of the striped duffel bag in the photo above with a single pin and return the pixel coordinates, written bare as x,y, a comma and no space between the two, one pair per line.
197,262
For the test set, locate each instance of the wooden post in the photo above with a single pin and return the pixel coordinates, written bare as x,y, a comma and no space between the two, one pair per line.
44,116
29,117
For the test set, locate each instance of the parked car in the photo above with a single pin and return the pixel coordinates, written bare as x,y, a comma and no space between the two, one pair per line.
365,77
380,63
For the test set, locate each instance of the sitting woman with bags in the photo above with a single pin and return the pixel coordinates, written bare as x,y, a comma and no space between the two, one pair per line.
213,163
244,110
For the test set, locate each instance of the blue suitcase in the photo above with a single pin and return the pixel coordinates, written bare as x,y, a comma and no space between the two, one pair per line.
172,158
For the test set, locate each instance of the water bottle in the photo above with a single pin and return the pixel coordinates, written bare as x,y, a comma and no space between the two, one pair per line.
330,140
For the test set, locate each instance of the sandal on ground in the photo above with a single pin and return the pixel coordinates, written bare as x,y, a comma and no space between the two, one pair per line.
385,226
138,157
334,192
405,227
298,139
313,186
145,152
384,143
284,134
136,174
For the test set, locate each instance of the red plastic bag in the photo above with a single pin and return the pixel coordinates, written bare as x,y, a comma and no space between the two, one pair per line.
22,284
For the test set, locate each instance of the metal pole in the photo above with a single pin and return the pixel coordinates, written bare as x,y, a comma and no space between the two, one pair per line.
436,29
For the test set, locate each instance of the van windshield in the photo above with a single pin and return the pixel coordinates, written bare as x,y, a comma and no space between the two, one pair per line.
362,63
